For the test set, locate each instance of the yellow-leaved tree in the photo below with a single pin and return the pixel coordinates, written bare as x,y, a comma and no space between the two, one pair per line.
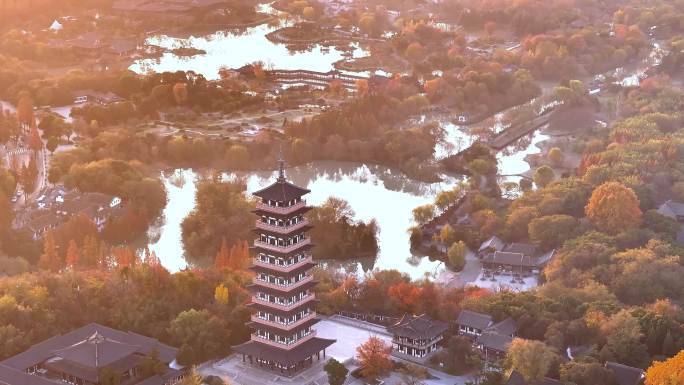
614,208
668,372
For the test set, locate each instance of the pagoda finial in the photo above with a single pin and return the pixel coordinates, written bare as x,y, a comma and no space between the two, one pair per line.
281,166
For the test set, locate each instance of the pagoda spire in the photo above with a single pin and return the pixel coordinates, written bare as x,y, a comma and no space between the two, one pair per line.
281,166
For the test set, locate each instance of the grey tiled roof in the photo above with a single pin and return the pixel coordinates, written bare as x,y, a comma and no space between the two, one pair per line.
494,341
474,319
418,327
517,379
282,191
85,350
625,375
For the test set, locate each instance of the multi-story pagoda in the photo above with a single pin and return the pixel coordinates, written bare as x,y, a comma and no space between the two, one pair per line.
282,291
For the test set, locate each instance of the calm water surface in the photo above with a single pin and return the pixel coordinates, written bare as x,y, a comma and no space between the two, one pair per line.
225,49
374,192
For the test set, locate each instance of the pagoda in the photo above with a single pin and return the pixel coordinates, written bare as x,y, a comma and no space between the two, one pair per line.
283,301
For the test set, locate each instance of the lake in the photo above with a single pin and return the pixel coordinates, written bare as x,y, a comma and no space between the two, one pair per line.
374,192
229,49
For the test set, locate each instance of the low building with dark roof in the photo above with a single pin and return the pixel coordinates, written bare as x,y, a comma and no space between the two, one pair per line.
493,346
625,375
417,336
520,258
517,379
674,210
491,245
490,339
472,324
81,356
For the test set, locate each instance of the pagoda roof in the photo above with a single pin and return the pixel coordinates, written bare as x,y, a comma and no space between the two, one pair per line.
281,191
285,357
300,230
299,269
296,251
281,331
257,286
273,310
272,213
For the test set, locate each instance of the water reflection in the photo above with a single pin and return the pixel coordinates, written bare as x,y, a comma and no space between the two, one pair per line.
374,192
234,49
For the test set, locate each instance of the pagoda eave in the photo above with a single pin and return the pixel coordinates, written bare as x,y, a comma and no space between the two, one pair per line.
283,356
292,273
276,233
302,210
275,252
280,331
273,310
258,287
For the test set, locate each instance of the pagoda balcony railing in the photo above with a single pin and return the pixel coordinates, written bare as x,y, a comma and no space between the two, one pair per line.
282,307
281,210
283,269
284,345
282,249
289,326
281,229
288,287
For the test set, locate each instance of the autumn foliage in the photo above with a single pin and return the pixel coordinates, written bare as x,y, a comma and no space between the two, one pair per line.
236,257
614,208
669,372
373,355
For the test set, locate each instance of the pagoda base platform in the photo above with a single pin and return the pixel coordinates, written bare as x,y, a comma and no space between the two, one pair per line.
283,361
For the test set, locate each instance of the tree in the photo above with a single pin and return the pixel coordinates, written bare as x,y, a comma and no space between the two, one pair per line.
543,176
309,13
199,334
302,150
237,156
532,359
447,234
446,199
222,259
552,230
580,372
556,156
49,260
34,141
221,294
72,255
614,208
668,372
414,52
193,378
28,176
337,373
518,221
180,93
151,365
423,214
490,27
25,109
457,253
373,356
412,374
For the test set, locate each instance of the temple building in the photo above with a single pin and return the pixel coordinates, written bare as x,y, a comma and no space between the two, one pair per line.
284,304
417,336
91,355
